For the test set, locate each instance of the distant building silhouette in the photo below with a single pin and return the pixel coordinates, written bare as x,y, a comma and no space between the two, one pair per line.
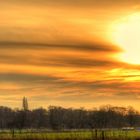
25,104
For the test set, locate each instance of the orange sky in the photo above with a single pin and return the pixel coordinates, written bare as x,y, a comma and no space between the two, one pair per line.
60,52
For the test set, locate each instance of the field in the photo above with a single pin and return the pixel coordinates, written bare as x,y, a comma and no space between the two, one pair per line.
70,135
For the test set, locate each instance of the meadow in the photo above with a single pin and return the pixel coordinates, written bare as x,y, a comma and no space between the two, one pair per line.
60,123
70,135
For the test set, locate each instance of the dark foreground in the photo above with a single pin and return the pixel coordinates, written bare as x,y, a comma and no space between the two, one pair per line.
70,135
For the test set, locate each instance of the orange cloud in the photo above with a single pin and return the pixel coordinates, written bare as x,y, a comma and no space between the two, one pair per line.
58,53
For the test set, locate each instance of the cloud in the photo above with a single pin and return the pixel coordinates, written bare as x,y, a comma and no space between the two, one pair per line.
70,45
59,52
106,3
41,88
57,55
59,89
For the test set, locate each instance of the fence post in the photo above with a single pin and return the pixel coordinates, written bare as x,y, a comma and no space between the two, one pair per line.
103,135
13,133
96,134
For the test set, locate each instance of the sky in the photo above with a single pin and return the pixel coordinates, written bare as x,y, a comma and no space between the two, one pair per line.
70,53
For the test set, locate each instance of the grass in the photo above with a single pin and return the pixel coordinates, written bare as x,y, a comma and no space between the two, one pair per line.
71,135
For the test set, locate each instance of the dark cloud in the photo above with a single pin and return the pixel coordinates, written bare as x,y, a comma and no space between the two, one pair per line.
94,3
72,61
76,46
103,3
61,60
24,77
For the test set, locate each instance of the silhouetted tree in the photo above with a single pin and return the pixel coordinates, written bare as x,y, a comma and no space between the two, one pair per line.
25,104
68,118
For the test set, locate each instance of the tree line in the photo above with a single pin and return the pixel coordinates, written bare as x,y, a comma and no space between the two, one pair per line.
59,118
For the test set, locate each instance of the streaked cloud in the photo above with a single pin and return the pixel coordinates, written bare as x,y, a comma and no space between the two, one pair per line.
58,52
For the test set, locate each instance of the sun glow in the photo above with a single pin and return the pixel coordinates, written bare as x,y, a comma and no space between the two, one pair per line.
126,34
